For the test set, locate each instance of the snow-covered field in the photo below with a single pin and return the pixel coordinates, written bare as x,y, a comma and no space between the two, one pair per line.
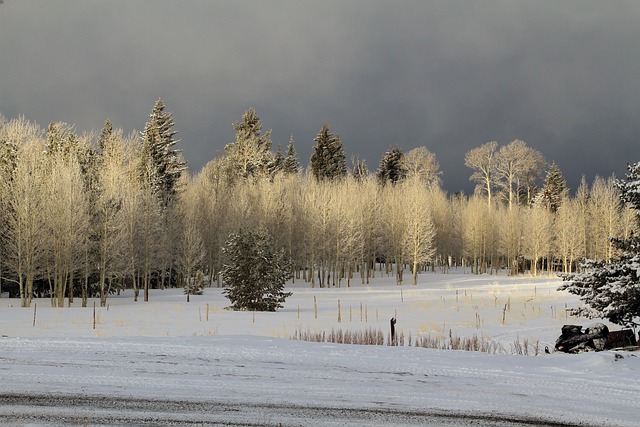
169,362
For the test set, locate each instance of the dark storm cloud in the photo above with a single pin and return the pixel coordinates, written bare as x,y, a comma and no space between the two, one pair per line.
449,75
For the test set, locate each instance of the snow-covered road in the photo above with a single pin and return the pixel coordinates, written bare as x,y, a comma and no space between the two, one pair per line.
248,380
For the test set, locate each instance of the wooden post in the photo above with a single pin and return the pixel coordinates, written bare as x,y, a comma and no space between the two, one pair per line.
94,315
393,331
315,307
35,308
339,315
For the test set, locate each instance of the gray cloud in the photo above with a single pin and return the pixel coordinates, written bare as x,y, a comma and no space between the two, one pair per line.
449,75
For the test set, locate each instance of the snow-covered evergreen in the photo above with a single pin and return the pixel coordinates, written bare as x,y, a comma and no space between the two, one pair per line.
392,168
163,164
256,272
554,189
612,290
291,163
250,154
328,160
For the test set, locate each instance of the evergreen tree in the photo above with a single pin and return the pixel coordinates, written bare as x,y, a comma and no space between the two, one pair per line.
250,155
612,290
328,161
291,164
392,168
554,189
630,188
256,272
8,153
105,135
163,165
277,163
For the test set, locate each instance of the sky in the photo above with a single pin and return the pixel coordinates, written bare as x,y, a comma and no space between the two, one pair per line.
445,74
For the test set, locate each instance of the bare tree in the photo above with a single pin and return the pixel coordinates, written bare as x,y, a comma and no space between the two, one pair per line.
605,209
420,233
510,235
422,163
109,218
190,248
476,231
537,236
568,228
518,165
67,222
483,162
23,227
394,228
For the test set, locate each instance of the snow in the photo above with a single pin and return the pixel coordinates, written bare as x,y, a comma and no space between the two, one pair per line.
166,363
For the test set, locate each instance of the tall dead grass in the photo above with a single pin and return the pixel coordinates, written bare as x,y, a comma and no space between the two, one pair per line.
372,336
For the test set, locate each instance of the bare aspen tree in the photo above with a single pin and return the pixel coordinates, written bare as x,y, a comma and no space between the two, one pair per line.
476,228
367,199
67,223
349,230
537,235
131,222
395,227
568,229
189,248
510,223
419,234
422,164
295,244
527,182
483,162
604,209
445,226
22,197
109,221
214,214
516,164
319,197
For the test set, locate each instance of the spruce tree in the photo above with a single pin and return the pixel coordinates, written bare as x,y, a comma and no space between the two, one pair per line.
554,189
250,154
612,290
255,273
328,161
392,168
291,164
163,165
277,163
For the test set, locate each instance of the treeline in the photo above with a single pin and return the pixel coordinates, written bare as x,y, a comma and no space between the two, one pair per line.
85,215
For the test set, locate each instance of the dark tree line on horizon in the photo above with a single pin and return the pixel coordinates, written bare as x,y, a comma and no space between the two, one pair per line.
85,215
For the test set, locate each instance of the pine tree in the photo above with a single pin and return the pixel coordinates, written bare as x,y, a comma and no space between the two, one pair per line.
163,165
256,272
612,290
328,161
554,189
250,155
291,164
392,168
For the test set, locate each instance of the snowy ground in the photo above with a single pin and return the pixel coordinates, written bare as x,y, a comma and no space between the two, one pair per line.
169,362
